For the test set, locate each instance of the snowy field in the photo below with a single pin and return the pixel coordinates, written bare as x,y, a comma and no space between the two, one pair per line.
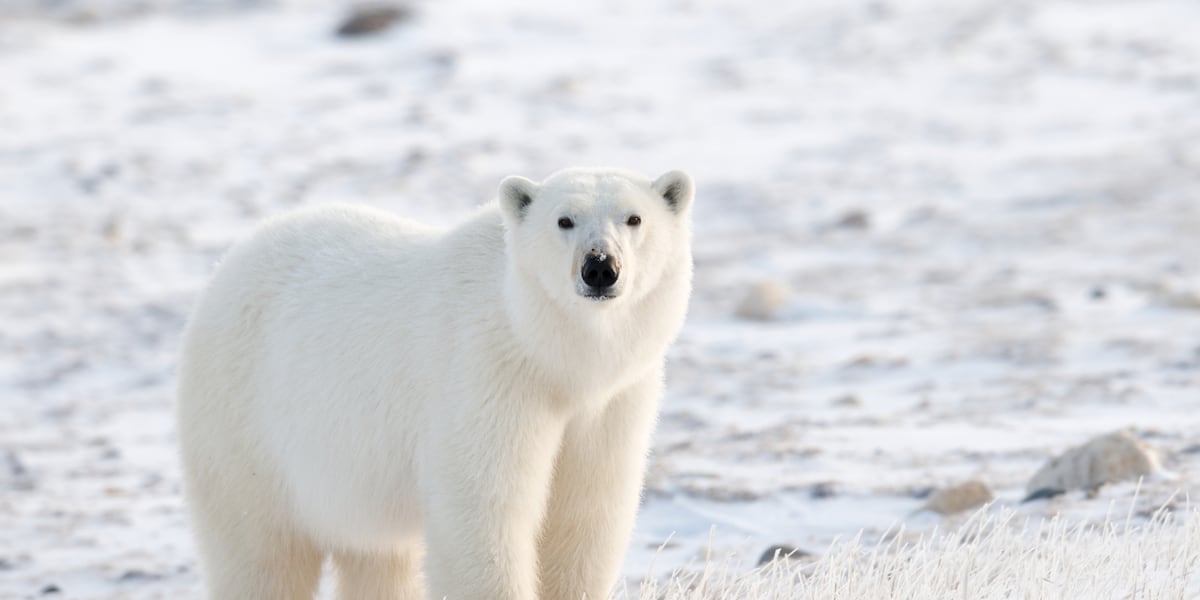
986,214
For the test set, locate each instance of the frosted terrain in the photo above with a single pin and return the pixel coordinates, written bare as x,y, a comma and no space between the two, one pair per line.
986,212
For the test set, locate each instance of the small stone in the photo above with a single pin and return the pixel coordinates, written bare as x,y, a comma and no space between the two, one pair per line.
1042,494
854,219
781,552
823,490
112,231
19,477
849,400
370,20
1109,458
138,575
958,498
869,361
16,467
922,493
51,589
762,301
81,17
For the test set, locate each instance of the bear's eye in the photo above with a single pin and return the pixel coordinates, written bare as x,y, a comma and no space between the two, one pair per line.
565,223
634,221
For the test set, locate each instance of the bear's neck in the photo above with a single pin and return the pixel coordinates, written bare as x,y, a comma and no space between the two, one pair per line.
585,357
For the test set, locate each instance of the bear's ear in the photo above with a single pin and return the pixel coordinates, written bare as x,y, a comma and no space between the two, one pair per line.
516,194
676,188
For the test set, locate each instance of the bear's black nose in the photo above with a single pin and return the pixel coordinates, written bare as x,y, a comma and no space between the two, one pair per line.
600,271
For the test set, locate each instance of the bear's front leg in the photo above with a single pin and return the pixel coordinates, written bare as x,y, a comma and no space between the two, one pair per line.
595,492
487,476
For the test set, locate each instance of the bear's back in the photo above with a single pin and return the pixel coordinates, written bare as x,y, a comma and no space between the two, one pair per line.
334,271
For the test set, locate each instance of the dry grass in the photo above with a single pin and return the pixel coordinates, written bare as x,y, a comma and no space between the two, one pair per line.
995,554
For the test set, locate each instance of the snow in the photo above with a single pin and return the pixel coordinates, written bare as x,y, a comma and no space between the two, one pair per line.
985,214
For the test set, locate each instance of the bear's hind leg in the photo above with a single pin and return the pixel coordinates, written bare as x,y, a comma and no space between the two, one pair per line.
388,575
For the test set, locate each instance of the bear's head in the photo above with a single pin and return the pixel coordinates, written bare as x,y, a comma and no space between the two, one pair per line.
599,237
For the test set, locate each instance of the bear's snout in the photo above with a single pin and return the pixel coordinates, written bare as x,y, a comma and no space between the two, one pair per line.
600,271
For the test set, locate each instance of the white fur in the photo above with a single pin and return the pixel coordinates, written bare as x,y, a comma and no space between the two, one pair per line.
358,385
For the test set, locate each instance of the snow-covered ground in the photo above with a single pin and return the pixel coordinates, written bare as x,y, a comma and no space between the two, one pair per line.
987,213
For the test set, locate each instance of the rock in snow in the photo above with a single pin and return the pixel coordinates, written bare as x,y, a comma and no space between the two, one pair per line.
957,498
782,552
1109,458
368,20
762,301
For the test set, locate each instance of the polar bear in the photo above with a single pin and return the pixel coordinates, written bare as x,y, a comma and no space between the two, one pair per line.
458,414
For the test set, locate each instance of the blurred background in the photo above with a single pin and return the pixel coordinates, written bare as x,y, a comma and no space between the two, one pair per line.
938,242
